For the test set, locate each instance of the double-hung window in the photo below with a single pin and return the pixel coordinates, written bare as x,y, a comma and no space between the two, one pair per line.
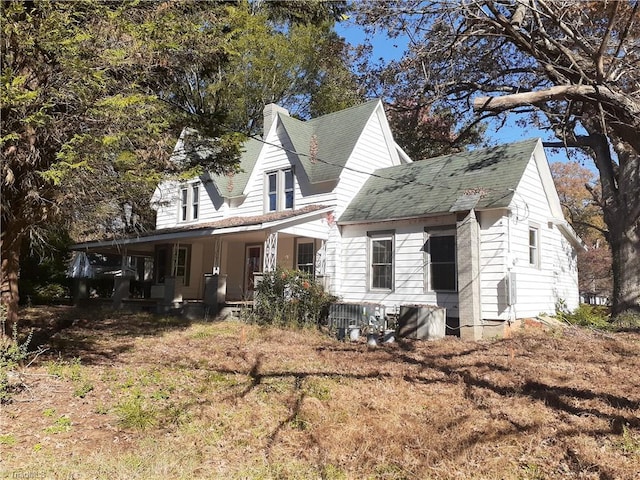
441,250
184,204
189,202
381,261
279,190
534,247
305,257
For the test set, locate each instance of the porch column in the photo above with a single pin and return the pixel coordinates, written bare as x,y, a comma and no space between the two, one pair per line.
270,252
121,285
122,282
217,255
80,290
468,260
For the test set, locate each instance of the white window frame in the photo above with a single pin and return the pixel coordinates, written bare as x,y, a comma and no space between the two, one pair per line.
379,237
309,267
430,263
189,202
195,201
533,243
281,190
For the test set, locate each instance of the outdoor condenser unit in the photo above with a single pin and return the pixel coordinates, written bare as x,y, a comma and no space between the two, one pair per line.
344,315
422,322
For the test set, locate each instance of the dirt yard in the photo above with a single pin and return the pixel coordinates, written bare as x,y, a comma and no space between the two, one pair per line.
131,396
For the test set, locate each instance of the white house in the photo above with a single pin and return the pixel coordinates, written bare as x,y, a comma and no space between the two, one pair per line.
480,233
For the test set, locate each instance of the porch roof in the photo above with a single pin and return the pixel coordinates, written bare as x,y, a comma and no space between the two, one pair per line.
268,221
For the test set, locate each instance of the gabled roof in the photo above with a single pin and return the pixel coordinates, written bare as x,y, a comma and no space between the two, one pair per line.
233,185
480,179
332,136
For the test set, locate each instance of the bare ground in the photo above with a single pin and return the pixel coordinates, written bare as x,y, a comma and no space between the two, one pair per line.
135,396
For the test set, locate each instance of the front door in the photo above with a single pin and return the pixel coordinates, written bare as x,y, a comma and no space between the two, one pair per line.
252,264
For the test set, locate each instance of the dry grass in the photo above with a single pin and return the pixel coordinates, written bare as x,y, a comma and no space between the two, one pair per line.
166,399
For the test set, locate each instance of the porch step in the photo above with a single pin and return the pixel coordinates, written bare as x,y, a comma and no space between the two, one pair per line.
235,310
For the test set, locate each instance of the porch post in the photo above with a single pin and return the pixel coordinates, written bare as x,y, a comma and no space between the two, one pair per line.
121,283
468,260
80,290
270,252
217,255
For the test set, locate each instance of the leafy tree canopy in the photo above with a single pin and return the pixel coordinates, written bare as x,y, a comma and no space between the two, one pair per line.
565,66
94,94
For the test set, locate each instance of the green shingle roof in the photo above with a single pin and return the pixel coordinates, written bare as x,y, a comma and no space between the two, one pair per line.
230,186
481,179
332,136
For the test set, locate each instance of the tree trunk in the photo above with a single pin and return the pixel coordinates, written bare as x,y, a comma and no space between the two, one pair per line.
625,250
9,273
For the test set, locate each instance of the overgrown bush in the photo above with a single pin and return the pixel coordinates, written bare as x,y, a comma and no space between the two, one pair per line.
12,352
593,316
627,321
290,298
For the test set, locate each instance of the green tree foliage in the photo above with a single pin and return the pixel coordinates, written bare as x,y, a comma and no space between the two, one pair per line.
569,67
94,94
285,53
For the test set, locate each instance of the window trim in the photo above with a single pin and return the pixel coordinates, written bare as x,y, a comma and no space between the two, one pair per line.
171,253
189,202
432,233
280,191
306,241
534,249
195,201
378,236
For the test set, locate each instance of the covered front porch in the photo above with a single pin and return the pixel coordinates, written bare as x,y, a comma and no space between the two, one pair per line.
198,269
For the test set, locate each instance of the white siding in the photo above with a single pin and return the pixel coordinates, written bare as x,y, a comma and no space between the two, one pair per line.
539,288
409,267
493,264
370,153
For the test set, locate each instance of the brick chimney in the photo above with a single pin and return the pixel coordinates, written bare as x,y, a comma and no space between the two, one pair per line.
270,113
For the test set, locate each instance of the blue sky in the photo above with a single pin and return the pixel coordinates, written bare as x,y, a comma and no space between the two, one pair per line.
390,49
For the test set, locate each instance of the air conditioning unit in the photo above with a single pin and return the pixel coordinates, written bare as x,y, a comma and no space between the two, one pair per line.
422,322
345,315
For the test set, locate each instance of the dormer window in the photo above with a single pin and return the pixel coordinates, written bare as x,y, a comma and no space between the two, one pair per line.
189,202
279,190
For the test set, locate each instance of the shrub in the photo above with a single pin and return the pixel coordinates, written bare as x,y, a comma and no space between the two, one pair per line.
51,293
627,321
12,352
291,298
593,316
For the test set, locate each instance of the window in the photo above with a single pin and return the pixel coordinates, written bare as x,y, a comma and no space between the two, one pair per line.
306,257
273,191
189,202
288,189
195,200
534,247
184,205
279,190
181,263
442,262
381,261
172,261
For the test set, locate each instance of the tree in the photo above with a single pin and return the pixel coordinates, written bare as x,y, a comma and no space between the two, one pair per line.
585,216
569,67
83,118
94,95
